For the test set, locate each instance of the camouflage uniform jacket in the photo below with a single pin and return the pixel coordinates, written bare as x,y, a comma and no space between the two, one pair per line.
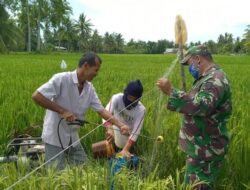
206,110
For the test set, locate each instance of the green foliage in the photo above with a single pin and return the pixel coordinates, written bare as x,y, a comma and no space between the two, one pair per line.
246,40
10,34
21,31
83,28
225,43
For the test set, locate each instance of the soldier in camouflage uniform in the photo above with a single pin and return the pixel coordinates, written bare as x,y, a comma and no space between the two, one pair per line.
206,110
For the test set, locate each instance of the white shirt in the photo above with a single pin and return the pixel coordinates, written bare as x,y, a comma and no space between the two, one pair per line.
132,118
62,88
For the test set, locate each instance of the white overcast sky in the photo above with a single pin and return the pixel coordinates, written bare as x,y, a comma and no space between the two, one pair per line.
154,19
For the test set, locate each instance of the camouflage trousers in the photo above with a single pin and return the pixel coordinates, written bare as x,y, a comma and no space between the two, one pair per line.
199,170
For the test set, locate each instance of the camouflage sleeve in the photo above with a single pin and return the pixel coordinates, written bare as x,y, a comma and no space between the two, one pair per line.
201,103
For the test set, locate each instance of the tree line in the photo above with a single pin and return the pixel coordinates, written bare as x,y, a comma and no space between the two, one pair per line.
46,25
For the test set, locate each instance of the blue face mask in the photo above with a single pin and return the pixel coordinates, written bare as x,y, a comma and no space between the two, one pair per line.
194,70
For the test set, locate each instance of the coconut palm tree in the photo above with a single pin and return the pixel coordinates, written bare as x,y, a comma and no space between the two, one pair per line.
21,9
60,11
225,43
247,39
109,43
69,36
95,43
9,32
119,43
41,14
83,27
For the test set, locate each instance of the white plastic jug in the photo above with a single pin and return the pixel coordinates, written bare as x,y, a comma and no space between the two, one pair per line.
63,65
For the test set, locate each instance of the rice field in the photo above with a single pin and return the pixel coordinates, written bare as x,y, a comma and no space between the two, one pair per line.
22,74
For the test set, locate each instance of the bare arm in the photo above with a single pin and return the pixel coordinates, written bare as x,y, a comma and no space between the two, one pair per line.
125,151
108,116
48,104
133,137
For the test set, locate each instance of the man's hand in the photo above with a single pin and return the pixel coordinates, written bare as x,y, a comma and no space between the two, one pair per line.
125,130
68,116
164,85
110,135
125,153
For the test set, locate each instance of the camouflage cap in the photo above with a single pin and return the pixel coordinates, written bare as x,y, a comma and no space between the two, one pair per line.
194,50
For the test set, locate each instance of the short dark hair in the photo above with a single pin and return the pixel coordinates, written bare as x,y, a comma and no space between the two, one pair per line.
89,58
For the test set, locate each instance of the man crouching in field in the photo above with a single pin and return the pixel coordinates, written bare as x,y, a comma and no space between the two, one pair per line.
68,95
128,109
206,110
